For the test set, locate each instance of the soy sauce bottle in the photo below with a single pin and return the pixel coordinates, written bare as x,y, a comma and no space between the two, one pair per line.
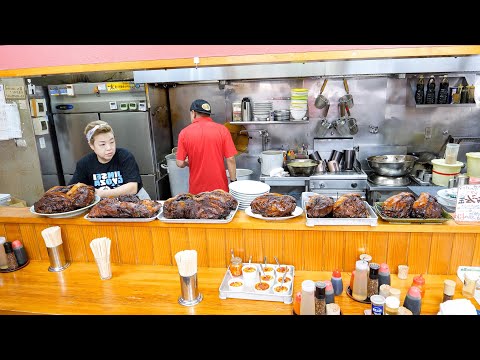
420,92
430,95
443,91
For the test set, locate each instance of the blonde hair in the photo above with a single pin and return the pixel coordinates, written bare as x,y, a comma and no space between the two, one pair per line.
98,127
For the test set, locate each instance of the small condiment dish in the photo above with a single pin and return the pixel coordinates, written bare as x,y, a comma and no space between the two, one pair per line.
262,288
279,289
280,270
235,284
250,273
270,279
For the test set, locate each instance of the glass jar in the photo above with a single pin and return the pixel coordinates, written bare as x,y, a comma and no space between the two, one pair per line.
236,266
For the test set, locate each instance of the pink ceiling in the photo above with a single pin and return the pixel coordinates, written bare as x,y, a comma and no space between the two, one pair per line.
31,56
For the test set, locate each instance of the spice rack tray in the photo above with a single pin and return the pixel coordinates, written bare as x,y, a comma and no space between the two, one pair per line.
248,292
349,294
20,267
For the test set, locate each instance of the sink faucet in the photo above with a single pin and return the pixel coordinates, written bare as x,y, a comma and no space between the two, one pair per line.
263,134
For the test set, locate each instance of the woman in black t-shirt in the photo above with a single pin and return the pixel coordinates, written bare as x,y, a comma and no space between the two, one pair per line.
113,172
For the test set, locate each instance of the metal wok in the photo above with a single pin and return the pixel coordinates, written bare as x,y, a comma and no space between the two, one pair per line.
302,167
392,165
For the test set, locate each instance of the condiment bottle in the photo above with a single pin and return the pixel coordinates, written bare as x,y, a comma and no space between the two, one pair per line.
430,95
320,298
337,282
448,289
329,293
359,291
236,266
383,275
419,282
3,255
19,252
391,305
413,300
372,283
420,92
443,91
12,260
296,303
307,306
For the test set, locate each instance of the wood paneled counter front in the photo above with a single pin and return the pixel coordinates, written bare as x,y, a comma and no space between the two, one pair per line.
436,249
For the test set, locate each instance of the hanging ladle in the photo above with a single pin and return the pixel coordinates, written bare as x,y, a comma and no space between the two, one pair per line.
347,98
321,101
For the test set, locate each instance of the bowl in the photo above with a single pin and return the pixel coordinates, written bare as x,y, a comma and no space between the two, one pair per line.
297,114
269,269
262,288
279,289
392,165
302,167
280,270
269,279
235,284
250,272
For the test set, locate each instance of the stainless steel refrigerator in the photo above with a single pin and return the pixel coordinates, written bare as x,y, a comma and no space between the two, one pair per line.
136,112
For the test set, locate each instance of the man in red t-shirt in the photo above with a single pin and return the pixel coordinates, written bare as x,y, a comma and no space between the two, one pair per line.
206,144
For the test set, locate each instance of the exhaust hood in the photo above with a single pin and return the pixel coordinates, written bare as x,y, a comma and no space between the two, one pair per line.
343,68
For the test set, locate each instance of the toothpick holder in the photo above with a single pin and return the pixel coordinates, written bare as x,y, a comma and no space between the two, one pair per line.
190,294
57,258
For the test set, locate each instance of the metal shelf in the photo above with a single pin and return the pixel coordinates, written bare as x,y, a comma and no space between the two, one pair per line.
444,105
269,122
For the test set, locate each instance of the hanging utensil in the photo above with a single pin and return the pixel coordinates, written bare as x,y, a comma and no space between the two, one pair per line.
347,98
321,101
351,122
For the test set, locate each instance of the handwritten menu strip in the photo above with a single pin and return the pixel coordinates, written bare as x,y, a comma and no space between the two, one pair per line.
15,92
468,204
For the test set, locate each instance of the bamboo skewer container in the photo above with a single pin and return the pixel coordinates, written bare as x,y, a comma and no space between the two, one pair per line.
101,251
187,269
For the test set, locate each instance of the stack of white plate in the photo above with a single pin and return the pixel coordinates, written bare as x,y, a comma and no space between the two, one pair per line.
245,191
298,103
448,197
4,199
262,110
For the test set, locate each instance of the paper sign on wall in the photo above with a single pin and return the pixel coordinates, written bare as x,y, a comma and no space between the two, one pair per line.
14,92
468,205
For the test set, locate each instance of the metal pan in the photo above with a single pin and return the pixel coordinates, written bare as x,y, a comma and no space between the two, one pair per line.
321,101
347,98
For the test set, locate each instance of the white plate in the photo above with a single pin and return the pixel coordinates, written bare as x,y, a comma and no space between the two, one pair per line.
68,213
249,187
448,194
298,211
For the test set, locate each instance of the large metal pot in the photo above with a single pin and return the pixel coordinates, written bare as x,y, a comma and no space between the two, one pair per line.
392,165
302,167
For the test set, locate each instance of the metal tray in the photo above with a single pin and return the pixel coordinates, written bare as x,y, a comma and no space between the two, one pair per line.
372,220
249,294
378,209
111,219
198,221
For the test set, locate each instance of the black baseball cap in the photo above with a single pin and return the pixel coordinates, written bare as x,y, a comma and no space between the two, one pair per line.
201,106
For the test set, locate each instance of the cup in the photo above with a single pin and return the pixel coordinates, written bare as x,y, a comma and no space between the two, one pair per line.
56,256
104,267
333,166
349,158
377,304
402,271
451,153
189,291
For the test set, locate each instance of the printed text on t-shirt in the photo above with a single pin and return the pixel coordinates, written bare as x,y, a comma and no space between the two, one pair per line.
111,179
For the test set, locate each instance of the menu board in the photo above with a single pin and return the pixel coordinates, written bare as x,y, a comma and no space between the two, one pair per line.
468,205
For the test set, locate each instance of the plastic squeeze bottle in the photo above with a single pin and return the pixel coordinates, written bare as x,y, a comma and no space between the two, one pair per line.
337,282
383,275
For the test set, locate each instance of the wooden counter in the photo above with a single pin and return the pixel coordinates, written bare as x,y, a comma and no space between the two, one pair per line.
426,248
148,289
